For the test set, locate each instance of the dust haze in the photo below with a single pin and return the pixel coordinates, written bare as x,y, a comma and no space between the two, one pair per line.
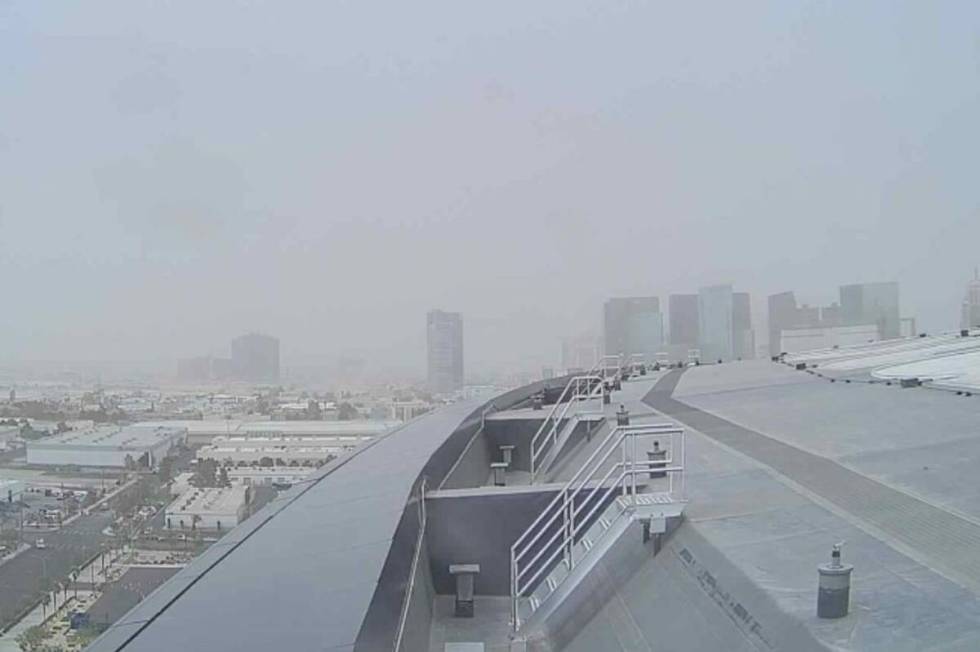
173,175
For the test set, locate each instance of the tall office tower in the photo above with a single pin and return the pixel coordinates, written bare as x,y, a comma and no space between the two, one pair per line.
444,334
743,337
782,316
255,357
633,325
971,304
872,303
715,323
684,327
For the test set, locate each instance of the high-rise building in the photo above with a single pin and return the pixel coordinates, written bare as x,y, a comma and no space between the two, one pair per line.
255,357
872,303
683,315
743,337
782,316
970,317
633,325
715,312
444,335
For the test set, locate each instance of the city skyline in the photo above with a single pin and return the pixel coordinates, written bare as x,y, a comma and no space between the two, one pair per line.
184,211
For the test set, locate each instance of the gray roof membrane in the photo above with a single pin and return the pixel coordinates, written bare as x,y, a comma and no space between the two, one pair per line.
764,510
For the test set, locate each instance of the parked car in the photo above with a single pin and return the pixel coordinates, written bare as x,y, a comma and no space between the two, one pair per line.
40,544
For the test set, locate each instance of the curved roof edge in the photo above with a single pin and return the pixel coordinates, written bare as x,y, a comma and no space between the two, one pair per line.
333,554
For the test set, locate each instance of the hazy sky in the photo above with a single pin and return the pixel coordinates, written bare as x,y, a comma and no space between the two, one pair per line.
175,173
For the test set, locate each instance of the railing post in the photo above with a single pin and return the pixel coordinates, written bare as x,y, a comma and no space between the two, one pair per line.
514,617
632,437
566,551
571,534
622,448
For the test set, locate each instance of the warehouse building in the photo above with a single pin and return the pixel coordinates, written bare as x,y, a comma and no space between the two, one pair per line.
283,451
269,475
204,432
107,446
212,508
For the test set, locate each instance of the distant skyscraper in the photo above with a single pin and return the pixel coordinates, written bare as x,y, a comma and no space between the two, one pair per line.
715,308
255,357
782,316
444,334
971,303
684,327
633,325
743,337
872,303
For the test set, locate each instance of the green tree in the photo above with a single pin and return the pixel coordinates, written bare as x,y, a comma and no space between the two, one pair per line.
166,469
346,412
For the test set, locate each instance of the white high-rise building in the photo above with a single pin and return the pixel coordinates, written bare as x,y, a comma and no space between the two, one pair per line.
970,317
715,315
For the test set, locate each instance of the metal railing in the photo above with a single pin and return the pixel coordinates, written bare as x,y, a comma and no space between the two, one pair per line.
403,618
608,366
578,389
610,472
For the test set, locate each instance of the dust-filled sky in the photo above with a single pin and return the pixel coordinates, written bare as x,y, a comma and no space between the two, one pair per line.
175,173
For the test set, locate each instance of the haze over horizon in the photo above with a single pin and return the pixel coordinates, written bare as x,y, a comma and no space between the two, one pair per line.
175,175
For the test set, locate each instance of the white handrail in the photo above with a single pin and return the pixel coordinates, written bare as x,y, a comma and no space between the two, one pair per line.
601,367
560,524
550,427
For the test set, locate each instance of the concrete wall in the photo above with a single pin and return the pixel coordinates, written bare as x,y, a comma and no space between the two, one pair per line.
474,527
515,432
473,467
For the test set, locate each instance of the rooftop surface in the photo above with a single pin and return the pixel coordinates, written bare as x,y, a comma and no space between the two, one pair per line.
242,428
780,465
211,499
785,464
945,361
137,437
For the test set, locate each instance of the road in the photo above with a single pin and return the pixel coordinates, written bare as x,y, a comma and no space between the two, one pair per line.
67,548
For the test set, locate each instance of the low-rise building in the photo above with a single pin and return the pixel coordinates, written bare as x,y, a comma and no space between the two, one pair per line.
283,451
213,508
107,446
203,432
269,475
408,410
